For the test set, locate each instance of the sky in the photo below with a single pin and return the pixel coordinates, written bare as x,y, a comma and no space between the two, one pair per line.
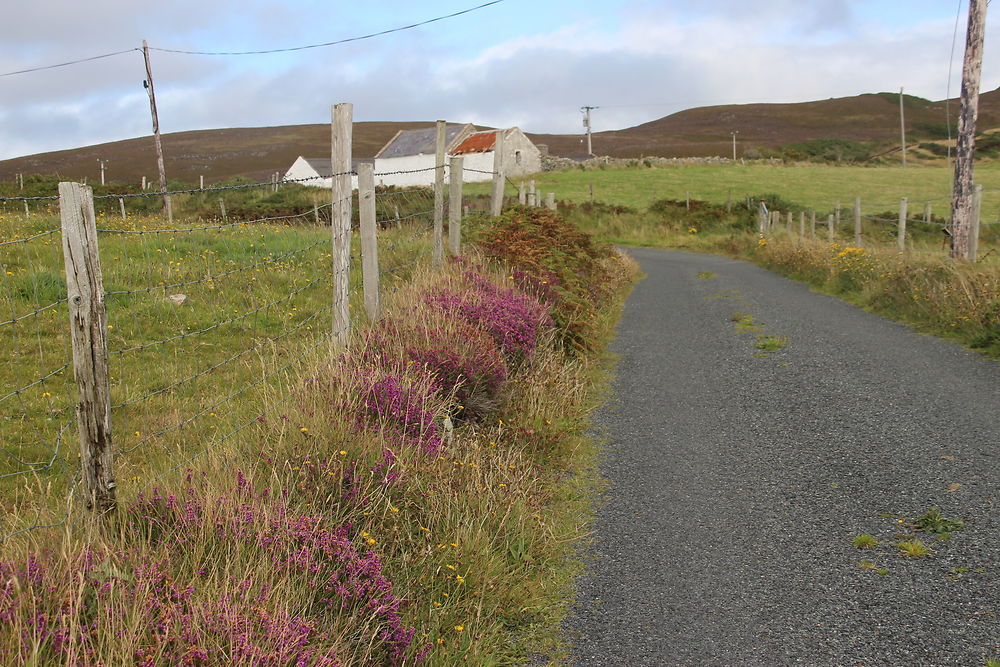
530,63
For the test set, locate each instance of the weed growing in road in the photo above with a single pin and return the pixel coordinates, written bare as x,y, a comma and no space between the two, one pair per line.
866,565
768,342
707,275
914,548
931,521
865,541
740,317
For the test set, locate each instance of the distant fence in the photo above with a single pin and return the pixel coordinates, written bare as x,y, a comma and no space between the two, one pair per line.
182,337
850,225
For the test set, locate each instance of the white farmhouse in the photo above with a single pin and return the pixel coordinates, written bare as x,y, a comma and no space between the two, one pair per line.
521,157
316,171
409,157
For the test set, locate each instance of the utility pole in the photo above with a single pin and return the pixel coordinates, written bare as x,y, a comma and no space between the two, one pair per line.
148,84
734,133
586,123
102,163
902,126
962,204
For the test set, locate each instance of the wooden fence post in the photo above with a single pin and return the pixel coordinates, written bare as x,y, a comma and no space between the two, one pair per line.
532,194
340,220
496,203
439,147
977,209
901,236
222,207
788,223
591,187
829,228
88,329
802,224
550,201
928,212
121,205
857,222
456,174
27,211
369,242
836,215
522,195
812,224
687,200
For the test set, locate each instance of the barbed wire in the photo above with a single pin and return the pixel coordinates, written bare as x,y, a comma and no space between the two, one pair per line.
189,334
216,276
236,356
37,382
32,238
37,311
208,409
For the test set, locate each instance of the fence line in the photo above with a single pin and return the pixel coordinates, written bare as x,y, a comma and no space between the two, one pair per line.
156,390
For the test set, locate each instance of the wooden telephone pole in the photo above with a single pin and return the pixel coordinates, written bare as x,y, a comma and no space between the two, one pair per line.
962,204
586,123
148,83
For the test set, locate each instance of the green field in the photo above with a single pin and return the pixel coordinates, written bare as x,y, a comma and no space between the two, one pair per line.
817,187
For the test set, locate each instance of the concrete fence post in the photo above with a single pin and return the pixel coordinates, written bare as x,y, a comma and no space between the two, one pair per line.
901,234
369,239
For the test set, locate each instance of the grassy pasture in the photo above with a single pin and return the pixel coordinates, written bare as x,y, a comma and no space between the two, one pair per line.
816,187
184,376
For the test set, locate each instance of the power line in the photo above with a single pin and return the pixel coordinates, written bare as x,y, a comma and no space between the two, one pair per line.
71,62
248,53
339,41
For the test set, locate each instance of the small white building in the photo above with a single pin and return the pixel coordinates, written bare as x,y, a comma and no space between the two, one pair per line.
521,156
317,171
409,157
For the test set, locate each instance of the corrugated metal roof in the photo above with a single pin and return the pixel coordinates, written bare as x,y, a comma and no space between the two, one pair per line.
480,142
417,142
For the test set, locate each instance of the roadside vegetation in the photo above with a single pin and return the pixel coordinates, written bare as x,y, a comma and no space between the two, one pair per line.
418,499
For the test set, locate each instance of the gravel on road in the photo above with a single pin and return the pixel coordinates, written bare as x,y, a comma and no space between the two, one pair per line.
738,478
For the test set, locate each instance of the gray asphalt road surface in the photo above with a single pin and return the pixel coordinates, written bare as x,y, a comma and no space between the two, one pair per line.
737,482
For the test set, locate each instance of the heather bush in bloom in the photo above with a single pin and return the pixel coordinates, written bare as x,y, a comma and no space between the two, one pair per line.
513,319
461,359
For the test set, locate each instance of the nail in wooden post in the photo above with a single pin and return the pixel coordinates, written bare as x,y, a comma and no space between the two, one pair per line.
977,209
340,227
369,243
901,235
456,175
496,203
439,147
857,222
88,329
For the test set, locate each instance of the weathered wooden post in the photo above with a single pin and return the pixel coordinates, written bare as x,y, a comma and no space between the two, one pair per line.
812,225
802,224
788,223
829,228
340,220
121,205
456,177
928,212
977,209
222,207
550,201
496,204
369,243
901,235
522,195
88,330
857,222
439,147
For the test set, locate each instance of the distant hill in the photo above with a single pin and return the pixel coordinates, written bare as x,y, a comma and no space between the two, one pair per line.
256,153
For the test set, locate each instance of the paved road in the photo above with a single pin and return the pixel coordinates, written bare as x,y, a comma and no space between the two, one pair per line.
737,482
